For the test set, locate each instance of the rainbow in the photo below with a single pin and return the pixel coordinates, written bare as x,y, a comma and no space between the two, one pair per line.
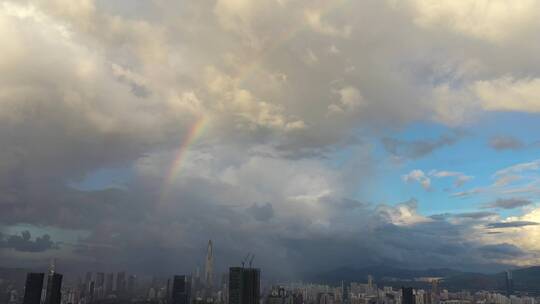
244,72
195,130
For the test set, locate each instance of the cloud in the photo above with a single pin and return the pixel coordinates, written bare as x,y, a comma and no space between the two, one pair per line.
502,251
425,178
418,148
516,172
509,203
88,86
349,100
509,94
464,216
263,212
515,224
24,242
518,168
418,176
493,21
459,177
475,215
505,143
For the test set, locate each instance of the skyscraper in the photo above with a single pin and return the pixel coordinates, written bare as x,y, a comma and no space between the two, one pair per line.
244,285
33,287
109,282
53,294
345,292
181,290
407,295
86,287
100,285
325,298
88,278
132,283
120,282
208,269
435,291
509,283
91,291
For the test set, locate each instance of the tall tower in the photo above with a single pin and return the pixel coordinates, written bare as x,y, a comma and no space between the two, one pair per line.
181,290
53,294
435,291
33,287
245,285
407,295
208,270
509,283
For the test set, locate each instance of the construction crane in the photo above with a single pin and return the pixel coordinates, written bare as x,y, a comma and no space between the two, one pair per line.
251,260
244,260
248,260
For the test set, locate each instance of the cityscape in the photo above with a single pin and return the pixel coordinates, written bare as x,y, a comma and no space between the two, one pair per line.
242,285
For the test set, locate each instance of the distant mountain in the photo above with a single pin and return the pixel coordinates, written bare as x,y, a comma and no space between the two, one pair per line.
380,273
525,279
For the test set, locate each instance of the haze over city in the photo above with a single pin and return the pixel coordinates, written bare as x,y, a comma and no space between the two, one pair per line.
316,135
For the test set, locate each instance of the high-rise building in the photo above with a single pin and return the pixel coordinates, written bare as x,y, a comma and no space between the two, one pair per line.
509,283
345,293
407,295
33,288
53,295
91,291
88,278
244,285
181,290
120,282
100,285
325,298
100,279
209,266
435,297
370,289
131,283
109,282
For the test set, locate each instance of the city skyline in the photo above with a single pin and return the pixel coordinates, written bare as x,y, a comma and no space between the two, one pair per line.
243,285
314,135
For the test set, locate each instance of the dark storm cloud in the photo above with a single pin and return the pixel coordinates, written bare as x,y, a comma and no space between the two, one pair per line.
501,251
263,212
128,232
515,224
24,242
505,143
509,203
418,148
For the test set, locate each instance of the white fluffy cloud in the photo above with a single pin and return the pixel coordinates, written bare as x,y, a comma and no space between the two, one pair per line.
418,176
494,21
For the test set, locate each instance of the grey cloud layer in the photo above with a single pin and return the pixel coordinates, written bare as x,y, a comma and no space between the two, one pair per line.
509,203
24,242
89,85
416,149
515,224
506,143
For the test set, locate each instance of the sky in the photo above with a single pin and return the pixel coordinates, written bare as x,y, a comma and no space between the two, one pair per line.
315,134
